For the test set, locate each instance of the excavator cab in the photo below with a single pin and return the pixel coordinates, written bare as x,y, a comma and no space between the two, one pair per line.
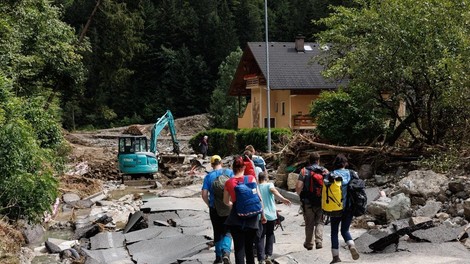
134,157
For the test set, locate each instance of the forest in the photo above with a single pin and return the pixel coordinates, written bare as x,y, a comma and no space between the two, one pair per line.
132,60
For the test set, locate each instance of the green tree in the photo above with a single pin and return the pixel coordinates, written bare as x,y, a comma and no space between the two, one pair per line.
223,108
416,51
348,119
183,76
39,51
27,186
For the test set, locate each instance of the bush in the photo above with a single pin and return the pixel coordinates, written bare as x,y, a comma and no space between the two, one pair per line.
258,137
221,141
225,142
347,119
27,186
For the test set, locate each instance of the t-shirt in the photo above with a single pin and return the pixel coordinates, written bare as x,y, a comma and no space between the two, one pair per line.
232,182
210,177
268,200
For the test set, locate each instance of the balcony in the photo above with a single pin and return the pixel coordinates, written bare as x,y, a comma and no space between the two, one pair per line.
303,122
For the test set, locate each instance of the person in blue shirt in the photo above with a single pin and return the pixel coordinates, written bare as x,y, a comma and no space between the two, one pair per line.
222,238
340,163
264,243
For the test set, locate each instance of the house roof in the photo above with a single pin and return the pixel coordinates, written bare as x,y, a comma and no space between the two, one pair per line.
288,69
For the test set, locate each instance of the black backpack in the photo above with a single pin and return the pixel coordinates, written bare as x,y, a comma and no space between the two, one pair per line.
357,195
218,189
313,184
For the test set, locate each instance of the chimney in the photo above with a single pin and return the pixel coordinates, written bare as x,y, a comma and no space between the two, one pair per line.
299,43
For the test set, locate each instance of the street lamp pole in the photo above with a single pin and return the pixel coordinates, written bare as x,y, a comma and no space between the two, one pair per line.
268,89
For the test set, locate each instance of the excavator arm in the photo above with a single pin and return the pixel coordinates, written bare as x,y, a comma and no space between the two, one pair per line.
166,119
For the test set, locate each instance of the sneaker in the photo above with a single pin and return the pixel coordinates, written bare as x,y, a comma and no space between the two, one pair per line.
318,245
226,258
218,260
308,247
354,252
268,260
336,259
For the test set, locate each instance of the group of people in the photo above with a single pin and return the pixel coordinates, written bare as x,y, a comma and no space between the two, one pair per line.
247,233
313,213
258,232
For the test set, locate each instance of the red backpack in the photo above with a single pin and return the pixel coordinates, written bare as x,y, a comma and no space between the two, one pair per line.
313,184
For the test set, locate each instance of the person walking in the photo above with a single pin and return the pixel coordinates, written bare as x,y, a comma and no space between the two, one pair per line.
258,161
204,146
265,242
243,230
311,207
222,238
340,163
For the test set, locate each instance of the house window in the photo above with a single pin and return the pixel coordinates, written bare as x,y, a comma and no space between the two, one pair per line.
273,122
276,107
283,108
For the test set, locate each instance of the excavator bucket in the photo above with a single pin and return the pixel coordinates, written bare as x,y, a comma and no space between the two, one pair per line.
171,158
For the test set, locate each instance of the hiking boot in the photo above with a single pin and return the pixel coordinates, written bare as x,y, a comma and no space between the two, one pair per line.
268,260
226,258
336,259
308,247
218,260
354,252
318,245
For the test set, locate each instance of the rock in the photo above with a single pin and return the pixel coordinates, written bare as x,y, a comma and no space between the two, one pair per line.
70,197
292,181
419,219
442,216
466,209
381,180
456,187
378,208
52,248
430,209
33,233
365,171
399,207
423,183
418,200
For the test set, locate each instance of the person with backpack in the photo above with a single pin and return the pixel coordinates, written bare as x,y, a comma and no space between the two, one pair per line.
258,161
265,241
340,163
309,188
212,193
242,194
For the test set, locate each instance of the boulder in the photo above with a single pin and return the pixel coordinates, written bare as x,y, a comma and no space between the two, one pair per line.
430,209
423,183
292,181
399,207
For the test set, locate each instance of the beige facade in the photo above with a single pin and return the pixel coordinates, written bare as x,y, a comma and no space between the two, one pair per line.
287,110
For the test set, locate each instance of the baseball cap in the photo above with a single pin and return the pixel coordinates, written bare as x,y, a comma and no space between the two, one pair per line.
215,159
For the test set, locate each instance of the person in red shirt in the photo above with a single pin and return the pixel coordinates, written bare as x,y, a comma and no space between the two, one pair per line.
243,230
249,165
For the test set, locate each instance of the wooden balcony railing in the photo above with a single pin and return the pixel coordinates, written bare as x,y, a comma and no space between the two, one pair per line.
303,122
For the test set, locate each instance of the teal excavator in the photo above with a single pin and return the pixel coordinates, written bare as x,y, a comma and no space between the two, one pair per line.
135,158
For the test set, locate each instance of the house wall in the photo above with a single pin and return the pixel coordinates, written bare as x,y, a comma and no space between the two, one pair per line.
256,111
301,103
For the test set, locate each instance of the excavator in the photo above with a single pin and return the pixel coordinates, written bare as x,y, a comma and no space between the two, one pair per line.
135,158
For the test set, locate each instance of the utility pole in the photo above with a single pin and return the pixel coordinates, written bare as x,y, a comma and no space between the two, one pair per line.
268,89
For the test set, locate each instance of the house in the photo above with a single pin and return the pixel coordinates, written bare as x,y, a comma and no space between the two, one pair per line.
295,80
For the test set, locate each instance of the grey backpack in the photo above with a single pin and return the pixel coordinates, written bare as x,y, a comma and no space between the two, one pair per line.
218,189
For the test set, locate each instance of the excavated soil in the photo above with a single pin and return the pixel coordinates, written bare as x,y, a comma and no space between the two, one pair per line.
98,150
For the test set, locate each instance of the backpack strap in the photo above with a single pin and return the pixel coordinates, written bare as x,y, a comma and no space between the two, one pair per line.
245,179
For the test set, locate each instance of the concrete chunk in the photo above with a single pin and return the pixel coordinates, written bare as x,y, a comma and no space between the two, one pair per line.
161,204
107,240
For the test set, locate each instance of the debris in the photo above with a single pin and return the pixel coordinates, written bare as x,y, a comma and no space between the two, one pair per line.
384,242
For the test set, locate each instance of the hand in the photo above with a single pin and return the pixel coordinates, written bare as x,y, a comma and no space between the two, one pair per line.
263,219
286,202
